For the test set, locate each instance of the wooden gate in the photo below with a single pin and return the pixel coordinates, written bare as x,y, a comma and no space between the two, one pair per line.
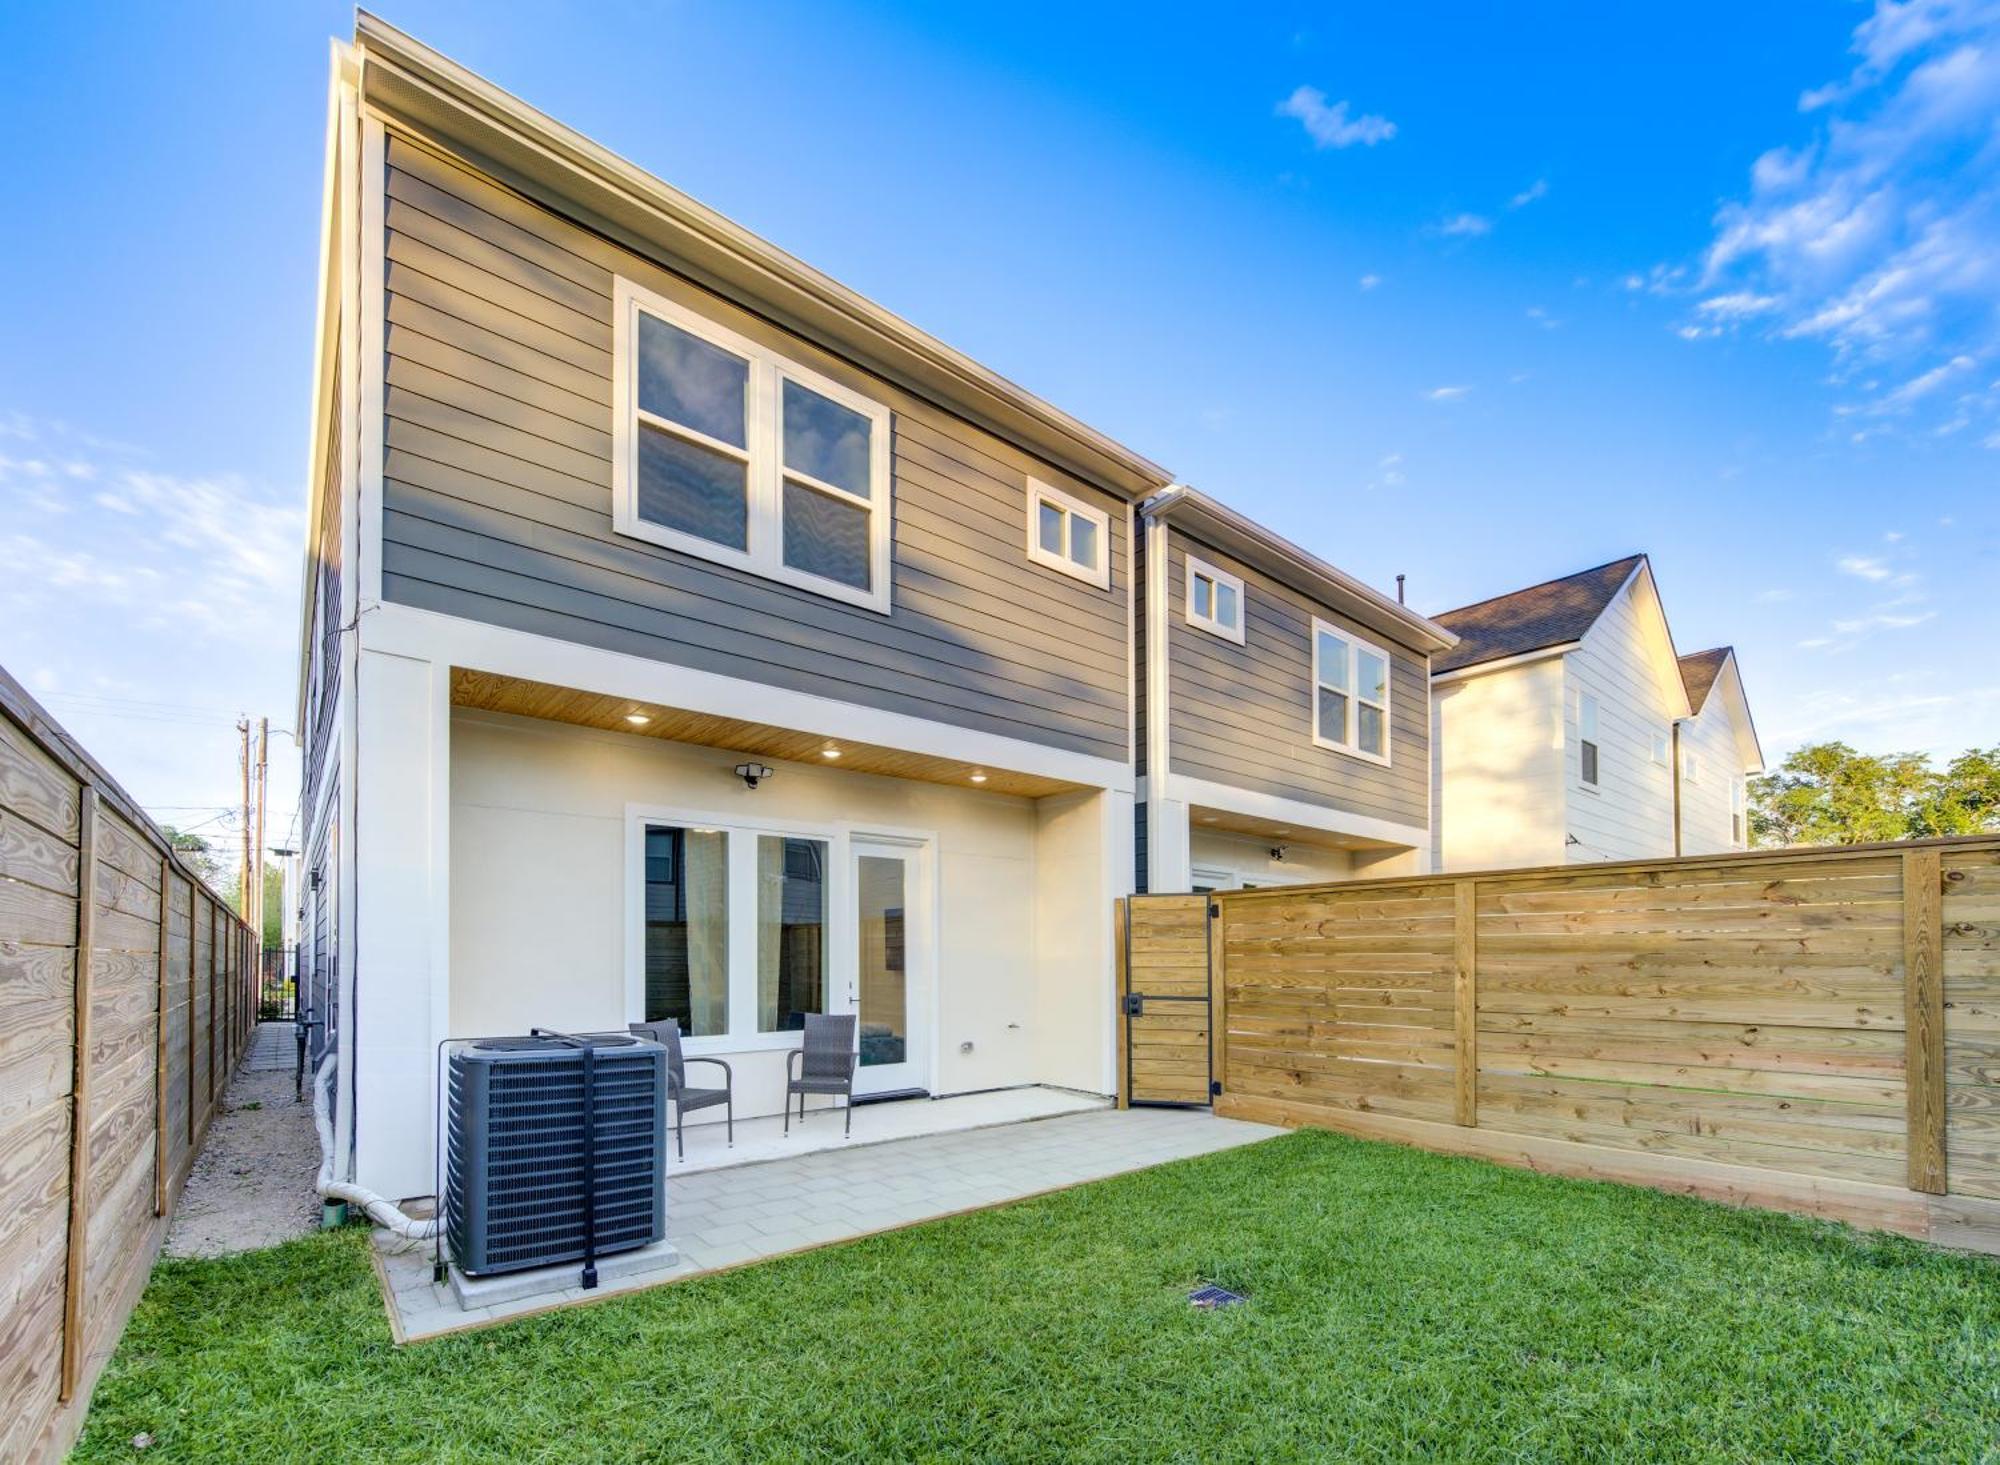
1164,1046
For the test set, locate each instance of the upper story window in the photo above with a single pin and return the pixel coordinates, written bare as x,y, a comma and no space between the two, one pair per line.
1736,811
1586,735
1690,765
724,449
1350,694
1214,600
1661,746
1069,535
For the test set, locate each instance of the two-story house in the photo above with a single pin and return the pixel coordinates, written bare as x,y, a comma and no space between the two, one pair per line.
1567,728
688,637
1294,741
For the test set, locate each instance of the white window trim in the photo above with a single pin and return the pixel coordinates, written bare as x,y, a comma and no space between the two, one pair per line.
1690,765
1355,646
741,857
1219,577
1072,507
765,555
1583,784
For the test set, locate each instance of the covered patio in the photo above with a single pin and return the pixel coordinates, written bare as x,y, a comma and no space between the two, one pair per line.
730,1208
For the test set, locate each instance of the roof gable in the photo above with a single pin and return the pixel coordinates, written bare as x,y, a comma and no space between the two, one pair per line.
1715,678
1551,614
1699,669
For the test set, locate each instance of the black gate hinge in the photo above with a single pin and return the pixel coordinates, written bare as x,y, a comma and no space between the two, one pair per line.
1135,1004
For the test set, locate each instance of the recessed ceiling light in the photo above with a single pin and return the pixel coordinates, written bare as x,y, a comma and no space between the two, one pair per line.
829,752
979,778
637,719
1208,818
1281,831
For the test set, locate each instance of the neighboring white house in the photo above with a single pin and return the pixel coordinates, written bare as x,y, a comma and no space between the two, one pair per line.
1566,728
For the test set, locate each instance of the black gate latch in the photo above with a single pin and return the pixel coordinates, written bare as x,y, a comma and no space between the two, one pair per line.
1135,1004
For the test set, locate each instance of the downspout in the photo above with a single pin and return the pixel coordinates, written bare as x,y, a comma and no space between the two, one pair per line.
1158,631
1675,757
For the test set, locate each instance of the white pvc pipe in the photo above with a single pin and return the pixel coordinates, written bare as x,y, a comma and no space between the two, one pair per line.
379,1209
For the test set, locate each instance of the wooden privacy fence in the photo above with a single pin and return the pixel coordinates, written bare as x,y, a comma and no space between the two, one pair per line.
125,1000
1816,1030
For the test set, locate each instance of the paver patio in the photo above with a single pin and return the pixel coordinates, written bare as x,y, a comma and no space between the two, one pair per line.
721,1218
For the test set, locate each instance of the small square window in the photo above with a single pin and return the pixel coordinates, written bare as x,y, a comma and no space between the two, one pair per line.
1068,535
1214,600
1661,754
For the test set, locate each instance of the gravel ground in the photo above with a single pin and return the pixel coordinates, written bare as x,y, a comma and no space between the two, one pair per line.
252,1183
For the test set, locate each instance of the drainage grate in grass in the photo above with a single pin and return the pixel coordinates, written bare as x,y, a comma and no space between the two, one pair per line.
1211,1297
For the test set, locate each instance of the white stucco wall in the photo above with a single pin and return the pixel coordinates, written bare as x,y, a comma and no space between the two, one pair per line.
539,917
1499,798
1246,859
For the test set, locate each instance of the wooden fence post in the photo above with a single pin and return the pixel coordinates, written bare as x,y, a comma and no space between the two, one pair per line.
194,908
1923,1018
1121,949
1465,1001
1218,998
79,1094
160,1039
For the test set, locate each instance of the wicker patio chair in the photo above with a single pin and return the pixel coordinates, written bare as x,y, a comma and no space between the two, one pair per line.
668,1035
824,1064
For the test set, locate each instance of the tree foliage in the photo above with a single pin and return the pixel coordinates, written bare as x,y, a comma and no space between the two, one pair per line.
1828,793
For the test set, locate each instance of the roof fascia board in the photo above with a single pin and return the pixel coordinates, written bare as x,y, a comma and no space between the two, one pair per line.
1504,663
342,79
1670,668
1244,539
412,84
1749,747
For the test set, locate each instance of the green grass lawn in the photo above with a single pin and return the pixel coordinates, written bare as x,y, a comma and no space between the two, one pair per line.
1402,1304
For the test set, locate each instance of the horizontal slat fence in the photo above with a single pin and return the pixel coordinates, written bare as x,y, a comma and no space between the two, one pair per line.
114,958
1815,1030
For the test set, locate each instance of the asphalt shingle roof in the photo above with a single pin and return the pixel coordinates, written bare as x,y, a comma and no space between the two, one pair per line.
1541,616
1699,669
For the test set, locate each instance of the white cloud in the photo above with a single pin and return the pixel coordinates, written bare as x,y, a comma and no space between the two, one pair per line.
1465,226
1773,596
1369,282
1538,189
1542,318
1737,305
1329,126
1882,621
1864,567
1879,235
1446,394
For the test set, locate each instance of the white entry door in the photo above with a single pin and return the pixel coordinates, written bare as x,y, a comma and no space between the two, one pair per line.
893,978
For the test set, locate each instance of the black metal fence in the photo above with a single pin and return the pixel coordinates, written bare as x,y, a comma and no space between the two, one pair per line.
278,985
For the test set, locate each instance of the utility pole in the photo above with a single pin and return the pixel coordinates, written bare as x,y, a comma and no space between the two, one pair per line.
257,868
243,731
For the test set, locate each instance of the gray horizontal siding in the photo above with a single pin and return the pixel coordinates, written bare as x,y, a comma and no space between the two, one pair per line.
1242,715
497,496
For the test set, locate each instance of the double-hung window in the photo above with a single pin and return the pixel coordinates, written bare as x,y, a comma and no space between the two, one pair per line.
1214,600
1069,535
1736,811
1350,694
723,448
1586,739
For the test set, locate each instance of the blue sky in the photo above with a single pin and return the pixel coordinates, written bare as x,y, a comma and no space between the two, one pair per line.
1479,294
